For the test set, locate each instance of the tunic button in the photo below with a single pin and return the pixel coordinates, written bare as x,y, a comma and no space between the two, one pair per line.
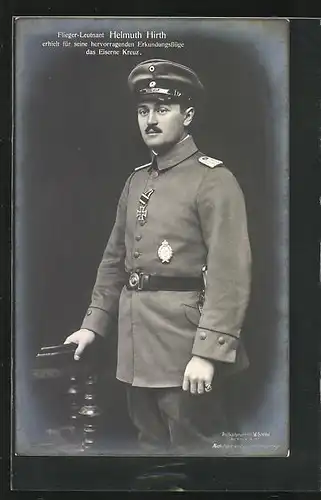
154,174
89,312
221,340
136,254
138,237
203,335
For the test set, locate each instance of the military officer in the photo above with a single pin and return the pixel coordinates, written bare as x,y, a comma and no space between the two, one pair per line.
176,270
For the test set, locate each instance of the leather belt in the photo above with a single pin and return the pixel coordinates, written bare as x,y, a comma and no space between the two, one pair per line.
141,281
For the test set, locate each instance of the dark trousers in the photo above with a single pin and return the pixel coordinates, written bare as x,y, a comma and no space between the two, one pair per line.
172,420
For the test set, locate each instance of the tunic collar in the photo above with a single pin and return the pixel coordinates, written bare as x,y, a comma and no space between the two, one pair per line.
178,153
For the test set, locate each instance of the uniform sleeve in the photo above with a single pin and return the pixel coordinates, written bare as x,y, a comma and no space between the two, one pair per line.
111,275
223,219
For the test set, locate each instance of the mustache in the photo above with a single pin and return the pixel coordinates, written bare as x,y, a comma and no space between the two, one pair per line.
152,128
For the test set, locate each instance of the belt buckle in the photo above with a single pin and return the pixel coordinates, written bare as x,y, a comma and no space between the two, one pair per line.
135,281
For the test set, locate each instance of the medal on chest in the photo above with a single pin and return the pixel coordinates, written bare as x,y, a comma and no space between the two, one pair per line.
165,252
141,212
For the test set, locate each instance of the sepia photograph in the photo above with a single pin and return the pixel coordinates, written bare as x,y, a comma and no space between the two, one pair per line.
151,171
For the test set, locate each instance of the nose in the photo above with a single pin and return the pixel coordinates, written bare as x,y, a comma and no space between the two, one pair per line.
152,118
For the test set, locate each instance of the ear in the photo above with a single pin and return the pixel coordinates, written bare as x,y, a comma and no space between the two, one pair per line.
188,116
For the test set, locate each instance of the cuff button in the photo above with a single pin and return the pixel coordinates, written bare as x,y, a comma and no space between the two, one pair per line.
203,335
221,340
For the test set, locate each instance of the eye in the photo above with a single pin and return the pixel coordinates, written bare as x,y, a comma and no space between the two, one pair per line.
142,111
162,110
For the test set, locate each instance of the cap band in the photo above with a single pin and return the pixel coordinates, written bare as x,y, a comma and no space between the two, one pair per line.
158,90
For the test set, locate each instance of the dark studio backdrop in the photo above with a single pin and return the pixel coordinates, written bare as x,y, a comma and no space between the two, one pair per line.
77,140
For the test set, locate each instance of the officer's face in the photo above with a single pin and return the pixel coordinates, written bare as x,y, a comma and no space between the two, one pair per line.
163,124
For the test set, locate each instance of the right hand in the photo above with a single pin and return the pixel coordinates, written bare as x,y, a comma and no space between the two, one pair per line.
82,338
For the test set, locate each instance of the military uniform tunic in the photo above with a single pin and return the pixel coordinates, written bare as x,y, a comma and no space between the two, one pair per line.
198,208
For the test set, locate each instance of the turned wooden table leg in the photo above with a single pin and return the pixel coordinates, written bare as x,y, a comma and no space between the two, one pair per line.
74,393
90,413
73,397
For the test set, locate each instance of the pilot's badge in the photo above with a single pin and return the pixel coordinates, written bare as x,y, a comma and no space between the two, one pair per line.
165,252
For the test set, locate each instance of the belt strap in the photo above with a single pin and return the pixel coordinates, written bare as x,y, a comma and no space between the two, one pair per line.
153,282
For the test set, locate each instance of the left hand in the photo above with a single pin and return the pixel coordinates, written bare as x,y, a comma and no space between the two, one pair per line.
198,372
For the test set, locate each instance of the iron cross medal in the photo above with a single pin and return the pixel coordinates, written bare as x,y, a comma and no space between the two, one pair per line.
165,252
141,214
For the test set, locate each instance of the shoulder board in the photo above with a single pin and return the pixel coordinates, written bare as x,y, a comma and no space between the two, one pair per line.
209,162
143,166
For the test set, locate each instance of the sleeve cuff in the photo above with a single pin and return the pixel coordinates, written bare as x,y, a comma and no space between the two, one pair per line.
215,345
97,320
